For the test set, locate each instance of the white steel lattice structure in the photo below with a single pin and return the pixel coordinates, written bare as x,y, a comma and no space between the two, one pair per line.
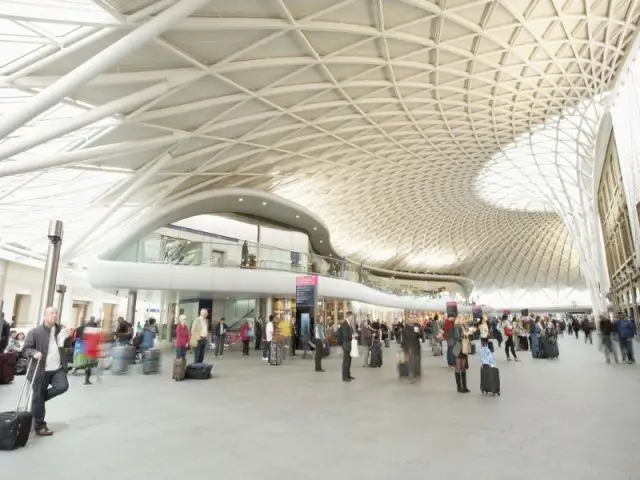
452,136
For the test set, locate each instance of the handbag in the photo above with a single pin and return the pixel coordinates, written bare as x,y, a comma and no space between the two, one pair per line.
457,349
466,346
354,348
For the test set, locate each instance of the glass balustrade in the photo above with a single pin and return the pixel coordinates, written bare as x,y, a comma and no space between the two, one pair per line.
164,249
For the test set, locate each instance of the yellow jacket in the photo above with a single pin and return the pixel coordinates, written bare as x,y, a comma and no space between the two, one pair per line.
285,328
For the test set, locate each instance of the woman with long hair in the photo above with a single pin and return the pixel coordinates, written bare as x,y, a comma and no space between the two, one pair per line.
461,349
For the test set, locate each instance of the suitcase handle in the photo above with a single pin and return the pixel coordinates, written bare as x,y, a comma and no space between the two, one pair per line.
27,387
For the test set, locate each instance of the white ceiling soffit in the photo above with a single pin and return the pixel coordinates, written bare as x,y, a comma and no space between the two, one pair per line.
403,124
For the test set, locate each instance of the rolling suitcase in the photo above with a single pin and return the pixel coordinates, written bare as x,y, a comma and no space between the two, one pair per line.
122,356
151,362
199,371
15,427
550,348
436,349
489,380
375,361
8,367
403,366
326,349
473,348
179,369
275,355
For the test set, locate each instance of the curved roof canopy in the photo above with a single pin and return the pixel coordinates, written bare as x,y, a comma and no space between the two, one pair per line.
452,136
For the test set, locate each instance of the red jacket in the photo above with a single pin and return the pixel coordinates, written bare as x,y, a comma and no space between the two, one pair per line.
182,336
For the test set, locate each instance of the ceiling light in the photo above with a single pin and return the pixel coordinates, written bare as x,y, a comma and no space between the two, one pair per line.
241,199
297,216
315,228
321,241
264,203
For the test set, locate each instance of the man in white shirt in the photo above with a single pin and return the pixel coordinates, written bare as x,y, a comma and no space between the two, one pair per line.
266,355
50,377
199,335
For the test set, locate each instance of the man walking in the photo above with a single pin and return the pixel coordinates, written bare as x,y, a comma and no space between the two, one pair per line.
319,343
221,335
50,378
344,337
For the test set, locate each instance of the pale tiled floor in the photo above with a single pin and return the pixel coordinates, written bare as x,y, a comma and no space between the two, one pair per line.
573,418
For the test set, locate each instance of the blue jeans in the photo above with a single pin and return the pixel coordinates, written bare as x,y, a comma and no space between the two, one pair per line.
198,353
181,352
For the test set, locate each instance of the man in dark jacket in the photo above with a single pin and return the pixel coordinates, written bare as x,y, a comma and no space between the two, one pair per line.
412,350
344,337
50,377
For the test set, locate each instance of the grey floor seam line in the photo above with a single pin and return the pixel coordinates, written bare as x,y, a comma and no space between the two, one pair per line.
571,418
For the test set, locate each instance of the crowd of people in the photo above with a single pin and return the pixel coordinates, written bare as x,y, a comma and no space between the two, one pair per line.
49,343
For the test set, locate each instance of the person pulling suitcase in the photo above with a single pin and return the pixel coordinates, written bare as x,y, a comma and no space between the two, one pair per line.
489,374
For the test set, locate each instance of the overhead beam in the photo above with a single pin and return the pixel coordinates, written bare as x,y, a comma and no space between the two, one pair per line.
104,60
89,117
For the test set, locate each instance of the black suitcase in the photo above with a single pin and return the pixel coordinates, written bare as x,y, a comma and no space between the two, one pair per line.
375,361
489,380
15,427
199,371
550,348
403,369
473,348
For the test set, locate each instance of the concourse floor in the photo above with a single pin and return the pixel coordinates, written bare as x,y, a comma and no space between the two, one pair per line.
572,418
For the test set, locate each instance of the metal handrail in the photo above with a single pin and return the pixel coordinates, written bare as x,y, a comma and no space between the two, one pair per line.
178,251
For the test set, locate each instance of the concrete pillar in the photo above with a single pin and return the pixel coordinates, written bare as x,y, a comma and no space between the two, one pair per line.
163,321
96,307
47,294
269,308
131,307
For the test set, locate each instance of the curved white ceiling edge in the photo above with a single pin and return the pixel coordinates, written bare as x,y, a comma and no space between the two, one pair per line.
107,274
254,202
148,276
277,209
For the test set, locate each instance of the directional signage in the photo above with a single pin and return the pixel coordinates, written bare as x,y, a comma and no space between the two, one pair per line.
306,290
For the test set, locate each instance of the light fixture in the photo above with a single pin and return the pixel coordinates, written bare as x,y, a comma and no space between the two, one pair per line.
315,228
241,199
264,204
321,241
297,216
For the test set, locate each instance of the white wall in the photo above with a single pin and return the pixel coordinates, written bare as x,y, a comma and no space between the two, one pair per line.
26,280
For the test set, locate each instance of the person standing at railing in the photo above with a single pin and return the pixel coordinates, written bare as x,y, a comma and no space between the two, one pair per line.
245,254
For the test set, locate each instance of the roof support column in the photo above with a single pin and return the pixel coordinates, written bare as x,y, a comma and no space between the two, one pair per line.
106,59
143,176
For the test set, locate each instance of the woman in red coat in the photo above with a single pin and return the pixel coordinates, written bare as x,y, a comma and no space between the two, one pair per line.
182,337
245,336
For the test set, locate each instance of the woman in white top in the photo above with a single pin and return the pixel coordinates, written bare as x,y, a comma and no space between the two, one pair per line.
484,331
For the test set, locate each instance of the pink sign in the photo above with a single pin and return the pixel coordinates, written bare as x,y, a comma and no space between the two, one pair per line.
307,280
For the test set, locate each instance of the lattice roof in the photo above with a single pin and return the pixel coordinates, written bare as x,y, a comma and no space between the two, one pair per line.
452,136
